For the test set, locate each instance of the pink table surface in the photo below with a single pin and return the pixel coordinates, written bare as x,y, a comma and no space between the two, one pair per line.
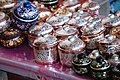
21,61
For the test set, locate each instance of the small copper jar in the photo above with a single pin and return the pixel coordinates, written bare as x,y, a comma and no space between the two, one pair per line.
115,31
116,73
58,20
68,48
39,30
109,45
11,38
81,63
100,69
94,54
92,33
7,5
115,60
45,49
44,14
25,15
72,5
4,22
65,31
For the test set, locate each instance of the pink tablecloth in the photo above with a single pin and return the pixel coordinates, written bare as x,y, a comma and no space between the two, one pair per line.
21,61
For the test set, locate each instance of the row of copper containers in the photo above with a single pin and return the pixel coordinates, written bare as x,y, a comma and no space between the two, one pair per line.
69,32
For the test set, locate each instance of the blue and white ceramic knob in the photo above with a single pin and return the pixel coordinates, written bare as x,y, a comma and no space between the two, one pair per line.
25,15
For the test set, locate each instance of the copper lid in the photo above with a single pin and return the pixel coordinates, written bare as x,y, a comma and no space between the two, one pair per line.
58,20
6,4
92,29
38,30
93,5
94,54
66,30
71,44
45,40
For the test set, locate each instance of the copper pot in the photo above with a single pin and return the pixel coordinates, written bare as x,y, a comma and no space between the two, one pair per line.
109,45
68,48
92,33
45,49
4,22
39,30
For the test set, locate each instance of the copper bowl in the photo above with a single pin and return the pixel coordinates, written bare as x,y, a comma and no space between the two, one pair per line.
68,48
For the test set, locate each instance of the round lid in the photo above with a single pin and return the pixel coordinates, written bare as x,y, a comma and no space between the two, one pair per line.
77,22
6,4
92,29
45,40
115,21
58,20
81,60
66,30
25,11
110,39
38,30
2,16
72,43
10,34
115,58
100,64
94,54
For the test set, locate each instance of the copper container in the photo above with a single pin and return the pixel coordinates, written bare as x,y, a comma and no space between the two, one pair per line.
71,5
109,45
81,63
45,49
116,73
7,5
115,60
65,31
92,33
11,38
115,31
58,20
44,14
4,22
100,69
68,48
94,54
39,30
